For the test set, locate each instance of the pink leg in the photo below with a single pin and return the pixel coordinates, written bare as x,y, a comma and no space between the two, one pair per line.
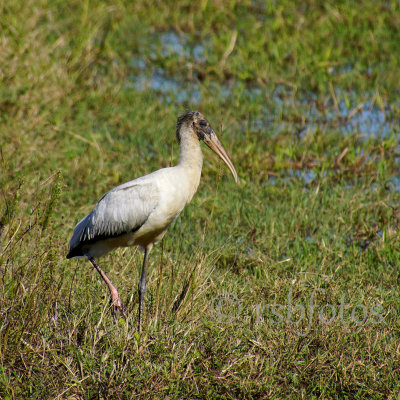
116,301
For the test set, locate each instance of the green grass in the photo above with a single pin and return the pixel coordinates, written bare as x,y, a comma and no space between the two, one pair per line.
285,85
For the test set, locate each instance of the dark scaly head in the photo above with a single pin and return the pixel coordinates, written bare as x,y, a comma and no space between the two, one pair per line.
197,123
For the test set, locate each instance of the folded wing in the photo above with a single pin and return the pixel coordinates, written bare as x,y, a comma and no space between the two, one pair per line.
122,210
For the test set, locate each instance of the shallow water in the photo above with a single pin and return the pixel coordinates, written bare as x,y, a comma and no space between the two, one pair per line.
281,110
366,118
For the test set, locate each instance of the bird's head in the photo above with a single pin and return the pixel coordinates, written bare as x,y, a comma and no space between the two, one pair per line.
196,123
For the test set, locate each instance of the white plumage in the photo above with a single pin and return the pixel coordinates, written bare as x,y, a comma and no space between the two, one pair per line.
139,212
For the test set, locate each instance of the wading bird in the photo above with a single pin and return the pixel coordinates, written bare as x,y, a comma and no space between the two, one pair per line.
139,212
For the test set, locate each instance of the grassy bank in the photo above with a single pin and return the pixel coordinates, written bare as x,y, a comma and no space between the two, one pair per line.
292,276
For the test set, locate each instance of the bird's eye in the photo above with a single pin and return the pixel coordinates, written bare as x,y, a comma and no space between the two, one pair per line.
203,123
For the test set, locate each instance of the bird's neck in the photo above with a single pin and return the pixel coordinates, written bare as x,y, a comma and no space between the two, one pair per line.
190,156
190,162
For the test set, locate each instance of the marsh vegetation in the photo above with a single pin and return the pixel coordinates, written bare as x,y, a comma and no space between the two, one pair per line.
305,97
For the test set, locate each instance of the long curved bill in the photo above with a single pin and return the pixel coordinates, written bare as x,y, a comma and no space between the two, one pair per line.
215,145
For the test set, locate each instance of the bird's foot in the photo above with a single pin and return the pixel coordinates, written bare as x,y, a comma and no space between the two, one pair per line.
117,308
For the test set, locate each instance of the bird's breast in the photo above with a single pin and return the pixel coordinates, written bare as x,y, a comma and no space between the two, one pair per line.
175,189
